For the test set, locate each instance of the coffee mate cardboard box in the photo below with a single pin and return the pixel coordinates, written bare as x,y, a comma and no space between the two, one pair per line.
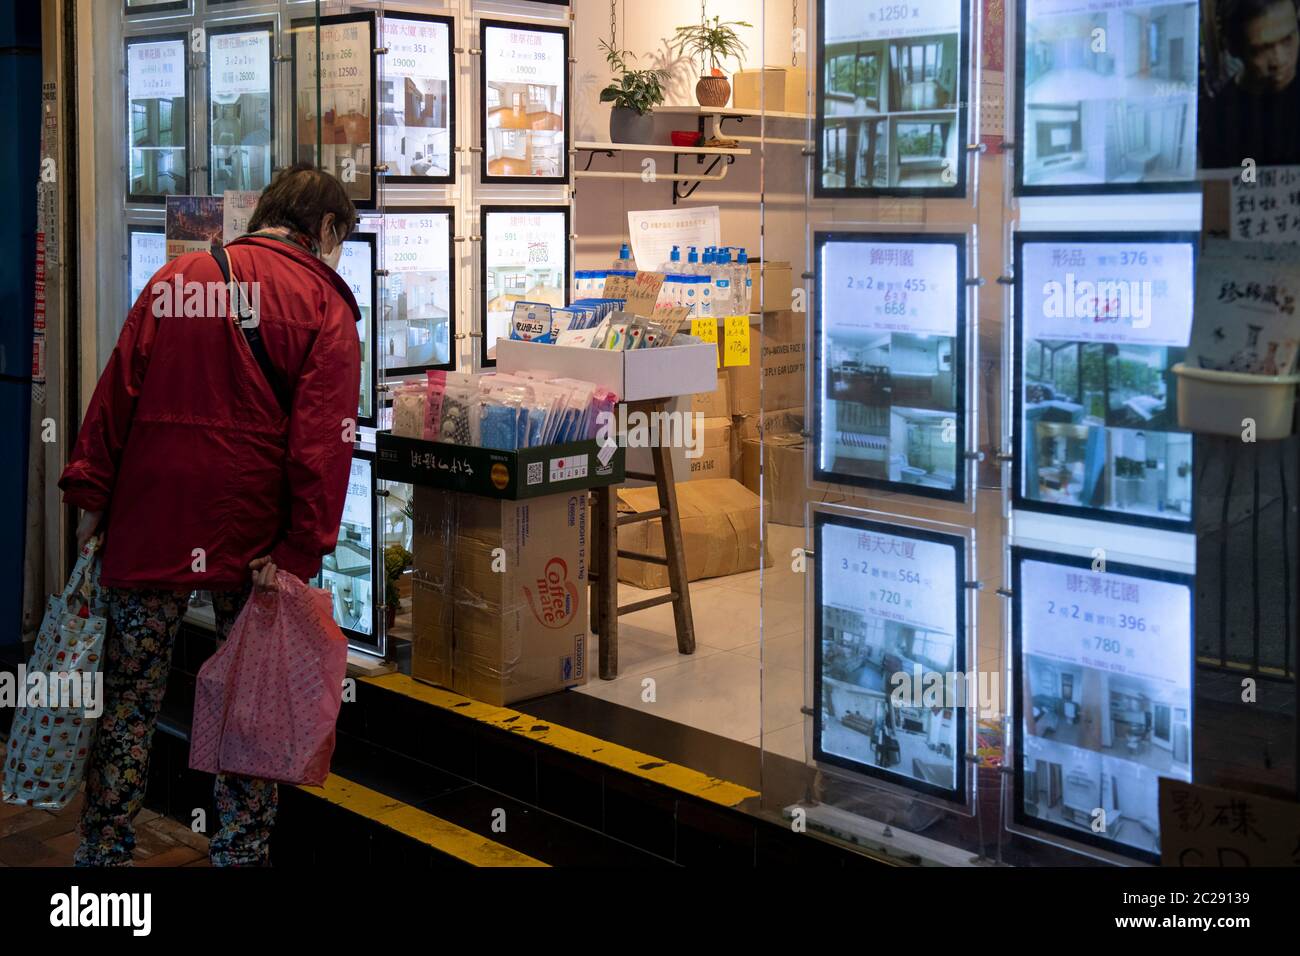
499,596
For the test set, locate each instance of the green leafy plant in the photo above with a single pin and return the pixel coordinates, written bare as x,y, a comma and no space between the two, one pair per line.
396,560
637,90
711,42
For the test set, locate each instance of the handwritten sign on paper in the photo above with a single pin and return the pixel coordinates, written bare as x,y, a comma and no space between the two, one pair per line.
1267,210
706,330
1209,826
736,340
643,292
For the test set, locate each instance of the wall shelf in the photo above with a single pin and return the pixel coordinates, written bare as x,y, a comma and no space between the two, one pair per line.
720,114
721,157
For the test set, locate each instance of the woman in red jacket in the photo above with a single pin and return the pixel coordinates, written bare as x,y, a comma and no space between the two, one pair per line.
214,453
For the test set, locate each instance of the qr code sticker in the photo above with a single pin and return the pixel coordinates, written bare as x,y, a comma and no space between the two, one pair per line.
535,473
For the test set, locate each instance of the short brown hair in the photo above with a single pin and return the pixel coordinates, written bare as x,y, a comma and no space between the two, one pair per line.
299,198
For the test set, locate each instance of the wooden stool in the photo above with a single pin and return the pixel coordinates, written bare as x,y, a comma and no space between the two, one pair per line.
603,570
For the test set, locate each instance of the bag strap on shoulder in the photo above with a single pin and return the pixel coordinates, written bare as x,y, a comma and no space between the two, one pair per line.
249,322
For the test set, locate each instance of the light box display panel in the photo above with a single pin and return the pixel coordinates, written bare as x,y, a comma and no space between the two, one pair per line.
357,267
525,111
417,108
158,119
892,93
890,611
145,7
1101,319
525,259
241,111
1102,672
345,115
1107,96
348,573
147,252
419,292
890,329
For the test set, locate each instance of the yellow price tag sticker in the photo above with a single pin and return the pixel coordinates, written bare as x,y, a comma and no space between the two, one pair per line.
736,341
706,330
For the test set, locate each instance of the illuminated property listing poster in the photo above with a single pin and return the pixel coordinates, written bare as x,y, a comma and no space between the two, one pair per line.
890,642
416,109
240,112
1103,683
344,119
158,118
1107,96
525,259
1101,321
892,98
525,109
348,574
890,333
357,267
418,299
148,254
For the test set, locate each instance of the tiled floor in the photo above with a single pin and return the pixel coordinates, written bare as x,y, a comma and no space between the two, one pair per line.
40,838
719,688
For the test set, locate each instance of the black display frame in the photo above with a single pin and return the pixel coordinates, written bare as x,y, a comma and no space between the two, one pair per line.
484,176
959,491
183,40
173,6
453,165
1020,501
450,213
955,191
368,18
1021,188
255,26
370,239
133,229
371,643
959,795
484,212
1018,556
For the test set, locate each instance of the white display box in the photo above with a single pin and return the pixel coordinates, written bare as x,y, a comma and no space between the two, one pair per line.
633,376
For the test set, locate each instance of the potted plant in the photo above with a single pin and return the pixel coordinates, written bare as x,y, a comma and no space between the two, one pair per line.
713,42
634,96
396,560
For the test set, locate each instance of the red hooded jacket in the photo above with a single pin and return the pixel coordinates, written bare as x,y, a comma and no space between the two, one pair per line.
185,446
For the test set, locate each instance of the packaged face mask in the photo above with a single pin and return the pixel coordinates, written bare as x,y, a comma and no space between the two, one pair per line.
577,338
531,322
616,341
409,410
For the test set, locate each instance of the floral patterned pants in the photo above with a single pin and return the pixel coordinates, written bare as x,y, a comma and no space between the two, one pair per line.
137,659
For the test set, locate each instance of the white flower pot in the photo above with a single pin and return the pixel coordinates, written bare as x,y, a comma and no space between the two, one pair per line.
1220,403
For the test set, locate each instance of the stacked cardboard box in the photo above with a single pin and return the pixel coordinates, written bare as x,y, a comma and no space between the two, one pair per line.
499,594
719,522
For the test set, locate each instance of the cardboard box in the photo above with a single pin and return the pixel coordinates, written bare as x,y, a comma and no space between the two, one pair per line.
779,421
527,473
778,294
776,89
720,531
720,452
778,356
783,489
499,596
714,404
632,376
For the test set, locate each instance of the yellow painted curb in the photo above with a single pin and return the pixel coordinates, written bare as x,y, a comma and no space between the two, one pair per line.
683,779
442,835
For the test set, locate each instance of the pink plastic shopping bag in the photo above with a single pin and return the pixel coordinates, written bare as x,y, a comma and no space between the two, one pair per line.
267,701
